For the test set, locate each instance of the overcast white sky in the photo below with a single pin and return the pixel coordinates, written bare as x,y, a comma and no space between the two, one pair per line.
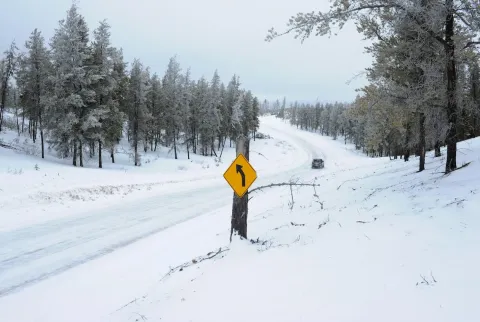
227,35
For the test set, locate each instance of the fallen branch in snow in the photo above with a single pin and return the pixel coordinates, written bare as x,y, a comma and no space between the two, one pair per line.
277,228
293,201
316,196
326,221
433,278
425,281
366,222
457,201
463,166
338,188
449,173
269,243
7,146
131,302
374,206
143,317
194,261
294,224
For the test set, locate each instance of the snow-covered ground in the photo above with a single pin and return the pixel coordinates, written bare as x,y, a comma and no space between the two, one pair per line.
376,241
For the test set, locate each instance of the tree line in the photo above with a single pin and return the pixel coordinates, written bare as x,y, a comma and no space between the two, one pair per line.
77,95
424,88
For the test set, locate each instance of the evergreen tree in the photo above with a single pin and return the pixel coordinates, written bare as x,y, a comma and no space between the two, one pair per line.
72,93
137,107
32,81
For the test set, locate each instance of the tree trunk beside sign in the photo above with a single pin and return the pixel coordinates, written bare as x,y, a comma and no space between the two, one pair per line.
240,205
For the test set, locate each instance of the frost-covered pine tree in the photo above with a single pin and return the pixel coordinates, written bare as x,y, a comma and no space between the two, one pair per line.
172,98
186,110
155,108
117,114
232,97
247,113
32,82
211,115
137,107
72,93
224,117
104,121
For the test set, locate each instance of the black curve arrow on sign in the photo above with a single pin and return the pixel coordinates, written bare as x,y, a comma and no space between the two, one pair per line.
240,170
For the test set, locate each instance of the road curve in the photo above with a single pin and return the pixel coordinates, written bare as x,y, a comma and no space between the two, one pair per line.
32,254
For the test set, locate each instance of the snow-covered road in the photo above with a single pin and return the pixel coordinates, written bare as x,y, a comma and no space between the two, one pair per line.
38,251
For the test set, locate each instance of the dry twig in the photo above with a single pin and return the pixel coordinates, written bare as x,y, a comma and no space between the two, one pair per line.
194,261
283,184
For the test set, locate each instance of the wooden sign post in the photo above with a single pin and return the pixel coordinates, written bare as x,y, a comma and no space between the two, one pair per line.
240,204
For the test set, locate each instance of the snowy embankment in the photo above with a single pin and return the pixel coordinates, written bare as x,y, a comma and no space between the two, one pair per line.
376,241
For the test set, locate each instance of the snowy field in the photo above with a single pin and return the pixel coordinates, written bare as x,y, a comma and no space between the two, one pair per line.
376,241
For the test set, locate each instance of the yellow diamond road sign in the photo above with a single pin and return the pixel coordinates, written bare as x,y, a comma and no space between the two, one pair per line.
240,175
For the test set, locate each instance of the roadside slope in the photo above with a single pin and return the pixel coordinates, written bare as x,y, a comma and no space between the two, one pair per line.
388,244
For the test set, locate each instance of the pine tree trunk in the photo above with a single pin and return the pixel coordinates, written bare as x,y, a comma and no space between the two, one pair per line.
223,147
18,124
23,121
34,135
74,152
407,141
422,144
100,154
438,153
175,144
81,153
451,139
212,147
136,152
34,130
41,134
112,154
135,138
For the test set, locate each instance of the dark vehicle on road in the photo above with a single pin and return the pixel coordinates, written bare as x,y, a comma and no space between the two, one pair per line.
317,164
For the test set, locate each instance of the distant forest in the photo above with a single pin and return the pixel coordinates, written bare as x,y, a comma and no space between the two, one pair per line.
77,95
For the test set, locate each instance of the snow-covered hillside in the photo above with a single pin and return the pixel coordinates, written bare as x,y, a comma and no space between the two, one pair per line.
376,241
